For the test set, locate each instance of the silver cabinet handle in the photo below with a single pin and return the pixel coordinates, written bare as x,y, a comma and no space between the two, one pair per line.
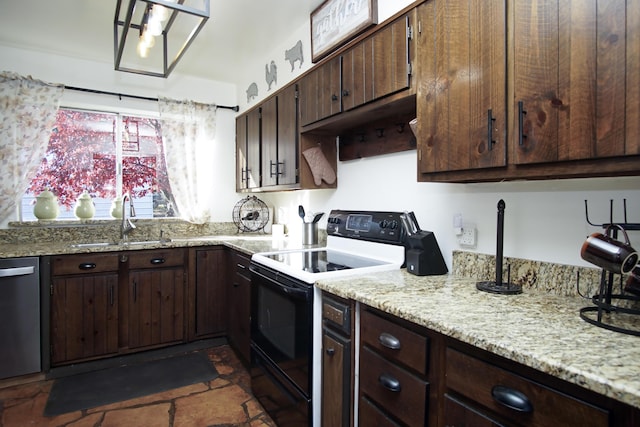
16,271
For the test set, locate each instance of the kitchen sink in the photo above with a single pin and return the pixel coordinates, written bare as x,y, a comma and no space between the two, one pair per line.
126,244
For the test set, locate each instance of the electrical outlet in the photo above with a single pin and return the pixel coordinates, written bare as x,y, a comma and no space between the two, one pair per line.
468,236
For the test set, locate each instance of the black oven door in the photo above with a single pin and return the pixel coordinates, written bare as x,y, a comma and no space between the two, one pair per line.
282,323
281,345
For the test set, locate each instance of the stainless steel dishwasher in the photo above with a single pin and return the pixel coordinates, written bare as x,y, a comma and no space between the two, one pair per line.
19,316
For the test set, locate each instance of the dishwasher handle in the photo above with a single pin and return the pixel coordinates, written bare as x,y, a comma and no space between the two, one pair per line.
16,271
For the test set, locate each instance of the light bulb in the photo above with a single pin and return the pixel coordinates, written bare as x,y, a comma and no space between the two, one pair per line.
159,12
148,39
154,27
143,48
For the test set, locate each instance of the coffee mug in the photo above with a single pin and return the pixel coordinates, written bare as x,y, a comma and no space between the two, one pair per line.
609,253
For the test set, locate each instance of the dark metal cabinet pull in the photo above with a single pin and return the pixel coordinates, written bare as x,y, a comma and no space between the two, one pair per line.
87,266
390,383
135,291
331,351
334,97
521,114
111,295
156,261
512,399
345,93
389,341
490,121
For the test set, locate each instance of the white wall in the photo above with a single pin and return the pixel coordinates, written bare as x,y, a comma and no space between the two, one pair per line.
94,75
255,71
544,220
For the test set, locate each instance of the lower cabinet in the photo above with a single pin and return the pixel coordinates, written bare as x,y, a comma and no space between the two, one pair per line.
239,297
337,362
84,307
393,372
208,292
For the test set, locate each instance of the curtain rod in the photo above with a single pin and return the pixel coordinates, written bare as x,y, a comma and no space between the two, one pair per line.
145,98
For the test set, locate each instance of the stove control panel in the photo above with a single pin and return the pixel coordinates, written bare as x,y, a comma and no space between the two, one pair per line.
374,226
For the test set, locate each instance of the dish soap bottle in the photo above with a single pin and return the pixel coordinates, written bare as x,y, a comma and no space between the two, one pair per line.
46,206
84,206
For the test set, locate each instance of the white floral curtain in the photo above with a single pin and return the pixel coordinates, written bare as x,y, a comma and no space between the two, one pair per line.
28,111
188,131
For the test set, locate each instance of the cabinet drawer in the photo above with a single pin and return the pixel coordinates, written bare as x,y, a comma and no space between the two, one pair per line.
536,404
371,415
84,263
241,264
156,258
400,393
395,342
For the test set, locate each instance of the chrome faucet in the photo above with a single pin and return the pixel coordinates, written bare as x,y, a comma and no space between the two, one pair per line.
127,226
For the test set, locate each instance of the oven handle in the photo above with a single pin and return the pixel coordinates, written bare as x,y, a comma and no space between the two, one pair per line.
289,290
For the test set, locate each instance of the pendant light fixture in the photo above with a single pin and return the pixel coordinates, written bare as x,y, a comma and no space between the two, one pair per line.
150,36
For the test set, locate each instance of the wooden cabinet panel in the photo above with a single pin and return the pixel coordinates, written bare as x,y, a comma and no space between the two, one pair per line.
241,153
391,58
336,384
288,136
240,306
571,80
84,264
480,381
395,342
209,292
269,141
156,258
320,92
458,414
156,307
357,75
84,317
253,173
399,392
461,105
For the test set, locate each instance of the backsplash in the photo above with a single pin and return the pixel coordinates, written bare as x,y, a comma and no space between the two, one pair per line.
557,279
108,231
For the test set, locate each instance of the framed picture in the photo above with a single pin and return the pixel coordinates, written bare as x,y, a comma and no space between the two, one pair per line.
335,22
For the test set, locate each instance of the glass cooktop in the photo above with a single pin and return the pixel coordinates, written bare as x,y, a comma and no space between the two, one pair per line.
322,261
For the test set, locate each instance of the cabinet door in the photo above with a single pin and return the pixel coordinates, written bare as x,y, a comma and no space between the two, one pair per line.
240,307
156,307
210,292
461,92
253,173
320,92
287,168
336,383
357,75
84,317
391,58
573,63
269,141
241,153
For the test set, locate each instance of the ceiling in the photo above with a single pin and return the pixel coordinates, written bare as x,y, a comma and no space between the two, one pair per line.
236,30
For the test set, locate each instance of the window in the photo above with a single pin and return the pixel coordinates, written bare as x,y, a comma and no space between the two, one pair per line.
107,155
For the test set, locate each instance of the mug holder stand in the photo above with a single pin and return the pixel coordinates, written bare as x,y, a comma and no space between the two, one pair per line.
614,312
617,312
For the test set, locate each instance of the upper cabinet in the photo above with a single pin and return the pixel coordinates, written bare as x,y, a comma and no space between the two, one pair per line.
248,151
549,90
461,105
571,75
372,68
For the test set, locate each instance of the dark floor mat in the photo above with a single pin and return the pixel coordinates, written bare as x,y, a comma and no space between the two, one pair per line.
111,385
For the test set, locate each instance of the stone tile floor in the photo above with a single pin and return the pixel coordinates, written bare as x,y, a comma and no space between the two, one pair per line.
225,401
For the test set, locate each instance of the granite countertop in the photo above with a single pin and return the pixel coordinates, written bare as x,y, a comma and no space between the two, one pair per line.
248,244
538,330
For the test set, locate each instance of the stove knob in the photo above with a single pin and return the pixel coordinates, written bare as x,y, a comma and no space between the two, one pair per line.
394,224
384,223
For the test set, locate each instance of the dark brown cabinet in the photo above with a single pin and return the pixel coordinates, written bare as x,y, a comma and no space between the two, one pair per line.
320,92
541,92
84,307
393,371
156,298
375,67
570,80
461,106
248,174
279,140
208,292
337,362
239,297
